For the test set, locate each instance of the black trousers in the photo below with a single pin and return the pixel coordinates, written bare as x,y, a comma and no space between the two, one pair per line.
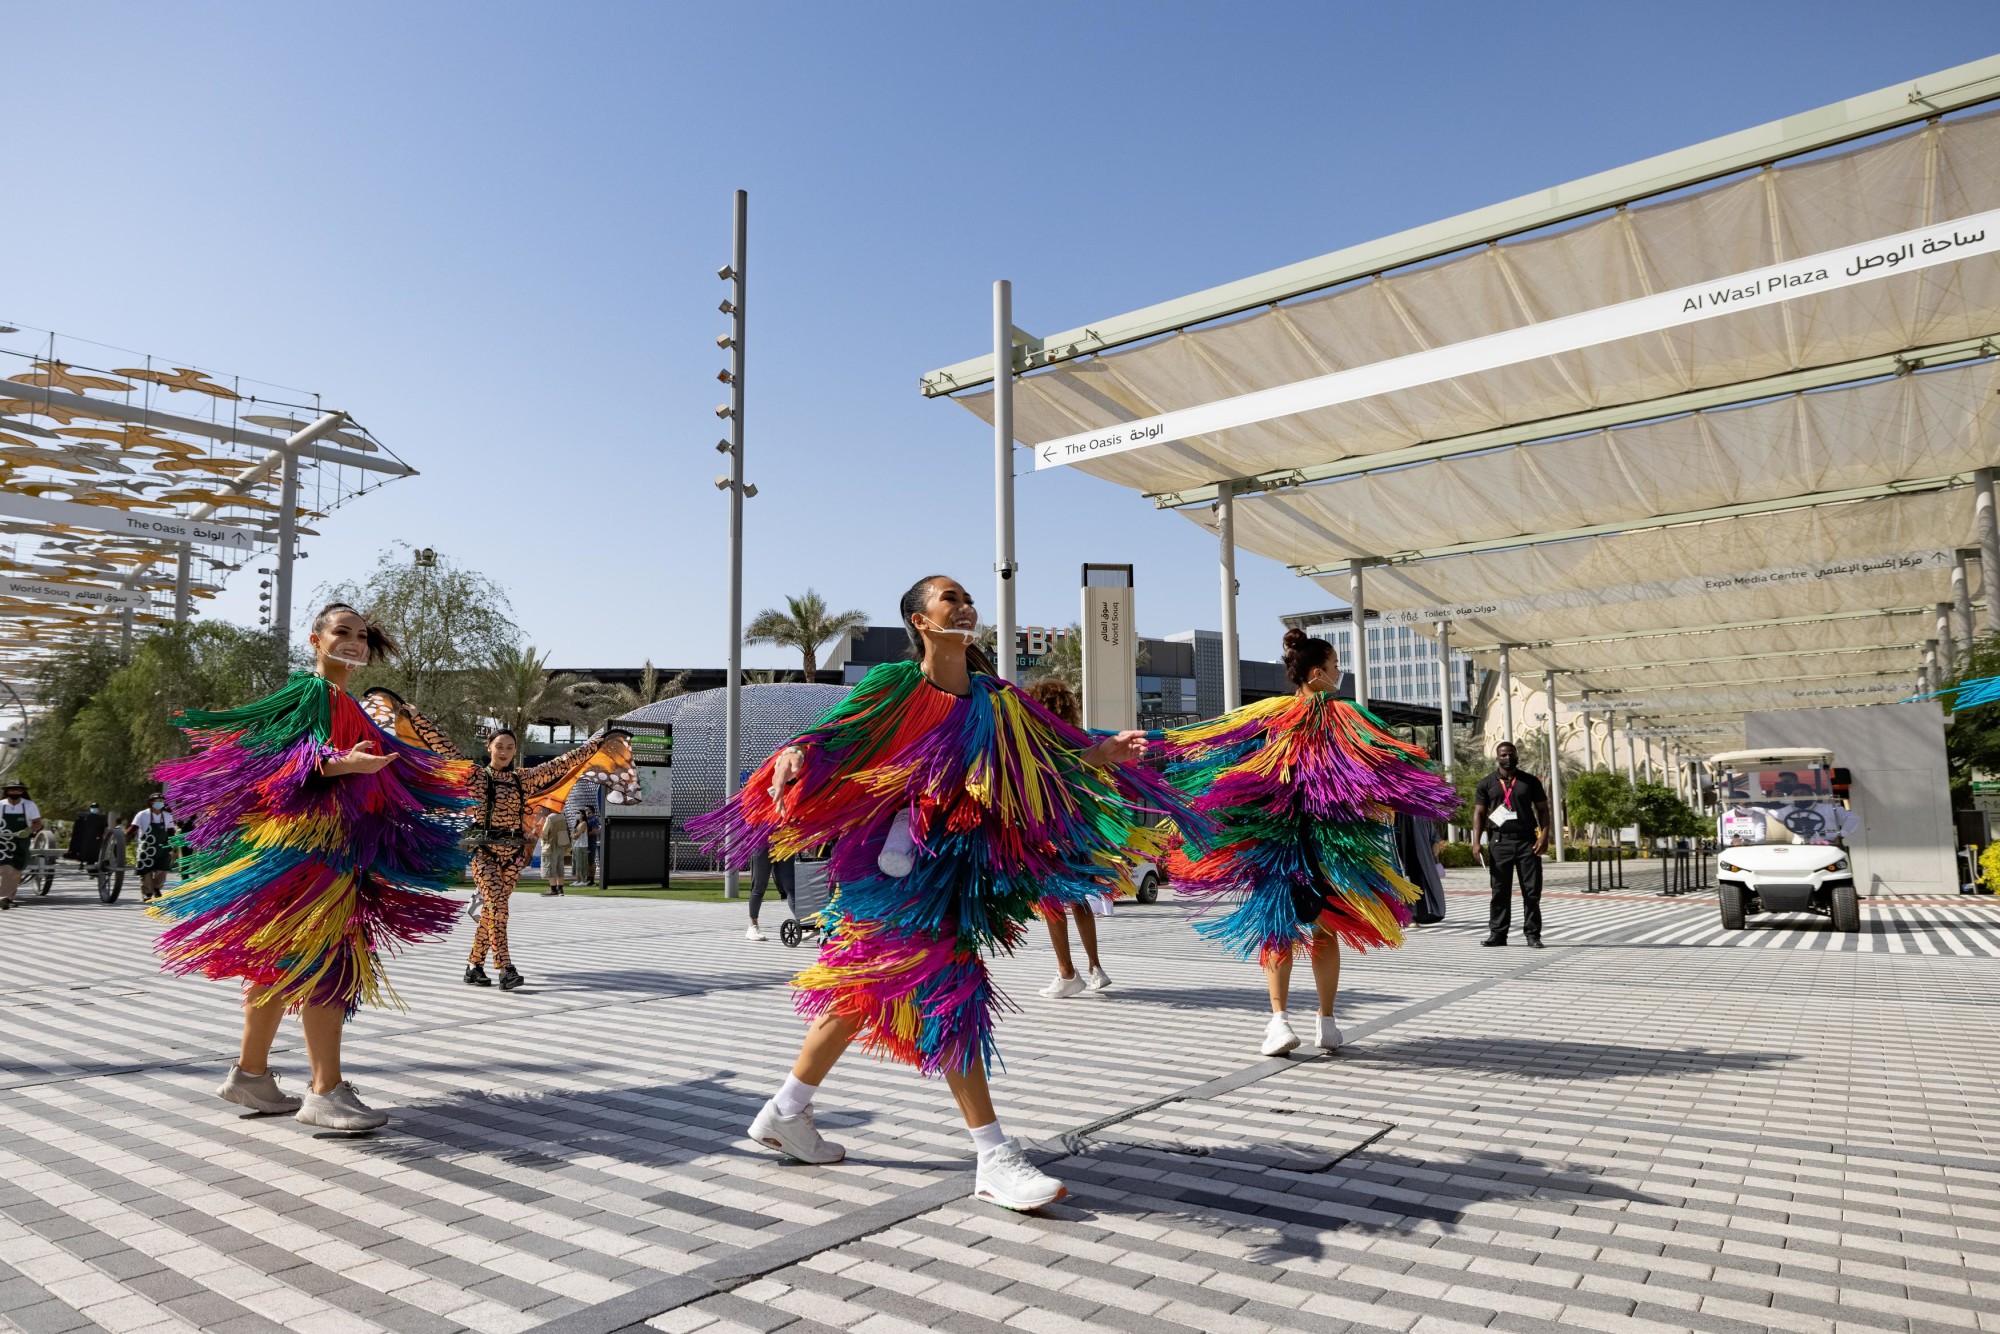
762,871
1507,858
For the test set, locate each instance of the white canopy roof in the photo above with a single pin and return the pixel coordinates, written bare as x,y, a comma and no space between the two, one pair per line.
1749,509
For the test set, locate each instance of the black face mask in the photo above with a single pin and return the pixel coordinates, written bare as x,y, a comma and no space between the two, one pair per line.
1507,762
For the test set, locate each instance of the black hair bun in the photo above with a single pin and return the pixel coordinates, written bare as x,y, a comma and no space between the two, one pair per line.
1295,639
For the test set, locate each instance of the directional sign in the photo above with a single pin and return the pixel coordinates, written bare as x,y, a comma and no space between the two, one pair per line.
1942,243
88,595
104,518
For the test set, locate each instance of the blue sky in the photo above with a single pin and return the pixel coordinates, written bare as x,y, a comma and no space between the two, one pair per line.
490,231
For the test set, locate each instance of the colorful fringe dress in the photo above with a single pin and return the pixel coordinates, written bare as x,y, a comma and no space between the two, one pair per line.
1002,812
298,881
1303,790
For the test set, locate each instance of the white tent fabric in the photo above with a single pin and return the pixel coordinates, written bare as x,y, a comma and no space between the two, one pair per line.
1934,174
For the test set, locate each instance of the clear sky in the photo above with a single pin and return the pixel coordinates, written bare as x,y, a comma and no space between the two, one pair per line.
490,232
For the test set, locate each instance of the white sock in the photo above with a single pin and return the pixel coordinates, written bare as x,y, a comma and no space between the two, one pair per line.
794,1097
986,1138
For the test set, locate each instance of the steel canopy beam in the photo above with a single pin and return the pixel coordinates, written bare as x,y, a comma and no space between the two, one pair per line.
1839,122
1532,645
1597,419
1807,501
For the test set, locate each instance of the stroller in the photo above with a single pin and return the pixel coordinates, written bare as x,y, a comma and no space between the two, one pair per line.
812,890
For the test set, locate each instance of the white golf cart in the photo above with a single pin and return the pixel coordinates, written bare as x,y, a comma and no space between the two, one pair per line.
1781,826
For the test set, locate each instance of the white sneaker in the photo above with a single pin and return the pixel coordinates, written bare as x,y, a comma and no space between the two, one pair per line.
1099,979
1063,988
751,932
1278,1036
341,1109
796,1136
1008,1179
260,1093
1328,1033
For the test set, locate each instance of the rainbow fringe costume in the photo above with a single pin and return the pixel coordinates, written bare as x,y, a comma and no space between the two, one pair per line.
1003,814
1966,694
297,881
1303,790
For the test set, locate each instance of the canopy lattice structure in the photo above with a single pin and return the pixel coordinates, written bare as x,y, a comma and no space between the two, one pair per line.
1705,434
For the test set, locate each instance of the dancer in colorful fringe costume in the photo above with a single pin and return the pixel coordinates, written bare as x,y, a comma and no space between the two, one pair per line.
1060,700
318,841
1304,789
955,803
509,806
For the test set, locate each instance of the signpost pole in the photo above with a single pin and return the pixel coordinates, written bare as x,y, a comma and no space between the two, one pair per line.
1003,478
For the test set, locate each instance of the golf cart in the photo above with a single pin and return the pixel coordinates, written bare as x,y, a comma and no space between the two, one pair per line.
1782,822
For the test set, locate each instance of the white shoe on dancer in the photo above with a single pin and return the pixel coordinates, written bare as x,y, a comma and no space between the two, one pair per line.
1278,1036
1064,987
795,1136
1008,1179
1099,979
1328,1034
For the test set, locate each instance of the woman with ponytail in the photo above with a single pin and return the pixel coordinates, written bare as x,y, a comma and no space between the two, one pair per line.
317,842
955,804
1059,699
1303,790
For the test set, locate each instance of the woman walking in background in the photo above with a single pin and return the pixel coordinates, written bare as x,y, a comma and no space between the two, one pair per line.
957,804
555,851
317,842
1303,789
1060,700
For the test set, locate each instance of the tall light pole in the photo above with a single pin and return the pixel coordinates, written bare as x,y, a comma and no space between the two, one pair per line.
1003,480
732,306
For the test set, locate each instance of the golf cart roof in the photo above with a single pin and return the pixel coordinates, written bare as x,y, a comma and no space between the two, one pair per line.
1771,759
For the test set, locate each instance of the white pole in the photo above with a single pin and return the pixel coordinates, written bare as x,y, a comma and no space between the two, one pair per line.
1961,606
732,722
288,542
1589,736
1003,477
1507,694
1631,752
1555,783
1444,694
183,577
1357,594
1232,658
1947,652
1649,759
1989,544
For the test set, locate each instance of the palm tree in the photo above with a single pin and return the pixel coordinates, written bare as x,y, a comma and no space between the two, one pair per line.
515,688
805,627
602,701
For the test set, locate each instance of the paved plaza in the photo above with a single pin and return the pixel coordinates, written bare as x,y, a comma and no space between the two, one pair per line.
1652,1125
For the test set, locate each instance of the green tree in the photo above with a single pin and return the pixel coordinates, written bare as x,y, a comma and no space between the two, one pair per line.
515,688
451,623
1660,813
805,625
1598,800
109,725
1972,742
601,701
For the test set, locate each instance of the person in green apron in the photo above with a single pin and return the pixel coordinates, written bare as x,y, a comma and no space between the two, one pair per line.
20,821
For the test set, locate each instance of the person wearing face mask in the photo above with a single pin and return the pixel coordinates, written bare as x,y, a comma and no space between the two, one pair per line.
1510,828
954,806
20,821
315,840
154,829
510,804
1302,789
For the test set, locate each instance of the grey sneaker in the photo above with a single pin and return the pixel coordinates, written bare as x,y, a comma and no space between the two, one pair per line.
260,1093
341,1109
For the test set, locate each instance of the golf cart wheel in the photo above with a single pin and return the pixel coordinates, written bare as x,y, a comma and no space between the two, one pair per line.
1846,909
788,931
1732,905
110,884
1149,889
48,879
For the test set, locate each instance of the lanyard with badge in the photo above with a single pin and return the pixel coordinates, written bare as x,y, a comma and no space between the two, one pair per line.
1501,815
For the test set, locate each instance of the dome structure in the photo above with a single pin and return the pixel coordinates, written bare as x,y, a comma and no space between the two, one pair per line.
772,715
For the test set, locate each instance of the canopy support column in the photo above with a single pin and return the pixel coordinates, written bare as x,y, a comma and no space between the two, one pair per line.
1357,595
1589,736
1649,759
1232,658
1928,673
1555,783
1947,652
183,577
288,542
1961,606
1444,694
1631,752
1003,478
1989,544
1506,694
